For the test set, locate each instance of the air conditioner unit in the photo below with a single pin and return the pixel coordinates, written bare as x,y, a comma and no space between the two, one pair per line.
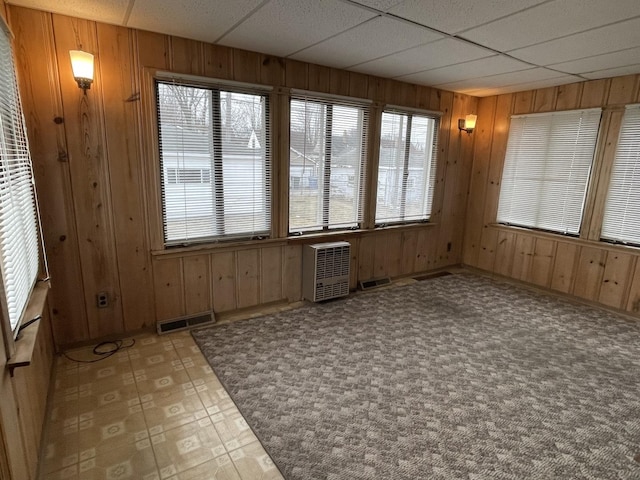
325,270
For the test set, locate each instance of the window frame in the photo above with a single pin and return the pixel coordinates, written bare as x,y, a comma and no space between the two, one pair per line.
433,171
365,161
154,174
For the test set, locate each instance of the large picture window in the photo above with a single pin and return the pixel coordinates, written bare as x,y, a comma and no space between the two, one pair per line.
327,155
19,253
547,168
406,167
621,221
215,163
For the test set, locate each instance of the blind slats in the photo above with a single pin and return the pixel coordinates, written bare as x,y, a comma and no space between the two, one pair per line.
622,208
327,154
406,167
215,163
19,251
547,168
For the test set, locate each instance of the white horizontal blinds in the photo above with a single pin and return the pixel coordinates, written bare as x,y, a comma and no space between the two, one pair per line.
406,167
547,168
622,209
19,253
215,163
327,153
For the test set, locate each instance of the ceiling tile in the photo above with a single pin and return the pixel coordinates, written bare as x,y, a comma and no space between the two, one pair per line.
520,87
581,45
283,27
382,5
623,58
373,39
204,20
433,55
550,20
613,72
463,71
453,16
111,11
510,78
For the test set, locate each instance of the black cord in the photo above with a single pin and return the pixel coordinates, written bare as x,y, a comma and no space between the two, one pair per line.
25,325
114,347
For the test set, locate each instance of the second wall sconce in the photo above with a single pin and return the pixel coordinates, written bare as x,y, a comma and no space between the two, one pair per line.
468,123
82,66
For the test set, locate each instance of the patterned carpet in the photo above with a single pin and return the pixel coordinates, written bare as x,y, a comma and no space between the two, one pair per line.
457,377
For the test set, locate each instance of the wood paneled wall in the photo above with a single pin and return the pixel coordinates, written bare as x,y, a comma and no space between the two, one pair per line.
92,167
584,267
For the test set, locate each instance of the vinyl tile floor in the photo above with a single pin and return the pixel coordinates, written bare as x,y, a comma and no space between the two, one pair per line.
154,411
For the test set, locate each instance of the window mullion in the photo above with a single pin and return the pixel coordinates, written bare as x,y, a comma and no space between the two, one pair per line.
405,170
218,181
326,184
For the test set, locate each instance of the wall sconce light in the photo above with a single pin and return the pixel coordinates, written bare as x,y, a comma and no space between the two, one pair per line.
82,66
468,123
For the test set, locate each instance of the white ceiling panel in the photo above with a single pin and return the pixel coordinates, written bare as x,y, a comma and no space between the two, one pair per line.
382,5
593,42
464,71
112,11
613,72
510,78
551,20
373,39
551,82
204,20
283,27
433,55
623,58
453,16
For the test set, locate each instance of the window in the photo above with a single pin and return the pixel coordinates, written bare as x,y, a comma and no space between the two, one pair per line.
215,164
547,168
327,155
622,209
406,167
19,254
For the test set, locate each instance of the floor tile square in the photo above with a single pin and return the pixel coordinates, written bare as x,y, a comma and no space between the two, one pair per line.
166,410
220,468
253,463
233,429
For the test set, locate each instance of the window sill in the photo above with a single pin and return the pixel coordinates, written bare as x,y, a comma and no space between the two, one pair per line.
363,231
205,248
26,341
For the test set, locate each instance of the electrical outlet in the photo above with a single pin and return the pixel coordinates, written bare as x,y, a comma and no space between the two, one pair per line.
102,299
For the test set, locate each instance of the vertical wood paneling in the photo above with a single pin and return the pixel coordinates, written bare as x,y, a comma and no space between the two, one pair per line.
523,257
505,250
589,273
615,279
218,61
523,102
169,288
296,74
353,266
568,97
246,66
542,264
339,82
223,274
409,249
197,294
153,49
545,99
358,84
292,273
623,90
248,273
487,254
593,93
564,267
381,256
121,132
271,70
90,178
394,252
319,78
187,56
271,274
366,256
41,101
633,303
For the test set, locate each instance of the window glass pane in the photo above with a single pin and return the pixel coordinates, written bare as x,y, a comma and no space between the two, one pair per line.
622,209
546,171
214,149
326,164
406,167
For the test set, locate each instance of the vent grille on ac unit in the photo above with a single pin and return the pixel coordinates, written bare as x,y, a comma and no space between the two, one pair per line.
326,270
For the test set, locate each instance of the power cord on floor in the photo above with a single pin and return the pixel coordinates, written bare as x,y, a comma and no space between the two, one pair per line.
104,350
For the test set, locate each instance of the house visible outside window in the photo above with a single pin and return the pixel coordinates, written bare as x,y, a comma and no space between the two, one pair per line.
547,168
406,167
621,221
327,155
19,251
215,162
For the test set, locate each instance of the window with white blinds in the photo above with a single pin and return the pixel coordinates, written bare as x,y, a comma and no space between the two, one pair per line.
621,221
215,163
406,167
19,253
327,155
547,168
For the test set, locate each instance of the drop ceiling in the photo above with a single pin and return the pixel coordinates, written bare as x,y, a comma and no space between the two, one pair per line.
477,47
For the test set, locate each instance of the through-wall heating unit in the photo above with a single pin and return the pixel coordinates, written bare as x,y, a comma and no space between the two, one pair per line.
326,270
